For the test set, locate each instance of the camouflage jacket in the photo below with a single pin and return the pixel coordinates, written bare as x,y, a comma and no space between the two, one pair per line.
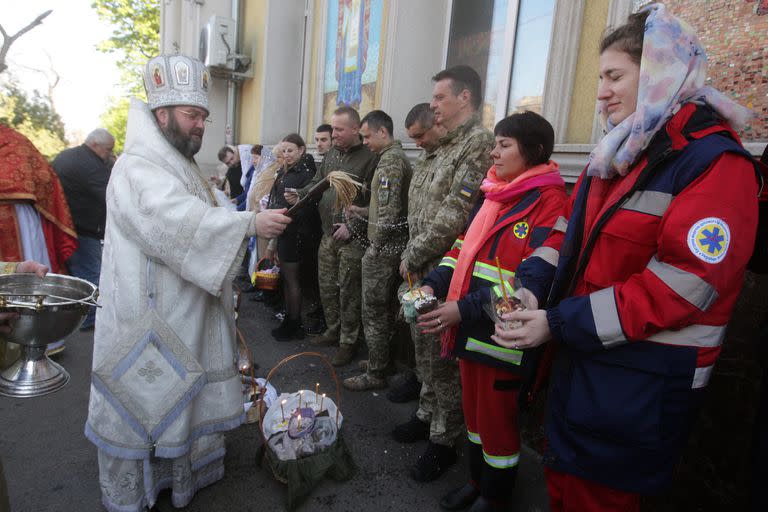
443,191
388,211
359,162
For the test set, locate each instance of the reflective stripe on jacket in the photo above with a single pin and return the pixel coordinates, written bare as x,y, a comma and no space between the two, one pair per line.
648,272
518,231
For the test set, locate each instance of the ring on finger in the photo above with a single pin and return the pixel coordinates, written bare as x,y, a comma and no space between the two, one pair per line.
439,322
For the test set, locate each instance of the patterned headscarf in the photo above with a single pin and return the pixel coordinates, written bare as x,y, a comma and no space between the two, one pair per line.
673,67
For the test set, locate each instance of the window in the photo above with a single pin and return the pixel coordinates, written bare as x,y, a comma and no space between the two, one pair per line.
529,64
513,68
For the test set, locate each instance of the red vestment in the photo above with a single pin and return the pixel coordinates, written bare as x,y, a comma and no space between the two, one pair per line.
27,177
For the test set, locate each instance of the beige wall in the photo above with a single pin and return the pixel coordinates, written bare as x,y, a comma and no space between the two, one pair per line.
314,79
582,113
252,91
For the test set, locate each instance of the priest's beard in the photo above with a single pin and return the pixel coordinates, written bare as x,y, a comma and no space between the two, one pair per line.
185,143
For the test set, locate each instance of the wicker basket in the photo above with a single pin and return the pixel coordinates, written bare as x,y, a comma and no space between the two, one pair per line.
301,476
265,280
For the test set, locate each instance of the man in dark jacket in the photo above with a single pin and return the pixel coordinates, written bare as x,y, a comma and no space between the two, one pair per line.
231,159
84,173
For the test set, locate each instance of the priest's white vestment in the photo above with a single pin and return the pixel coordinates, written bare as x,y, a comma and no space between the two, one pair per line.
164,384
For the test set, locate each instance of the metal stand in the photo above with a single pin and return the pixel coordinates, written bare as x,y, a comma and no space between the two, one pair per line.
33,374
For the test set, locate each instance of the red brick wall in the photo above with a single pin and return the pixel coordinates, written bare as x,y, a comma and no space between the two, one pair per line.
735,35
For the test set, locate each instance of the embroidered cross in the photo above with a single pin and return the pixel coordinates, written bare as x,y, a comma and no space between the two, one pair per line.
150,372
712,239
521,230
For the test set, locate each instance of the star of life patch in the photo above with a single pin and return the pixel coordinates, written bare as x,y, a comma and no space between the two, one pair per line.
709,238
521,229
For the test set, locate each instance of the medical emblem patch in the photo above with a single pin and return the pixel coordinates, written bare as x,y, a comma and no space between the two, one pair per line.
521,229
708,239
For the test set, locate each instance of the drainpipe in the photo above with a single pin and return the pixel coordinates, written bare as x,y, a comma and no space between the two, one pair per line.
232,85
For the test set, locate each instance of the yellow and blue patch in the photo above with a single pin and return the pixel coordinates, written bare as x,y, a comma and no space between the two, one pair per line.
709,238
521,229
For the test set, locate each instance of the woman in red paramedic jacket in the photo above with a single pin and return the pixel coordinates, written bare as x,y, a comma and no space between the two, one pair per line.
638,285
524,195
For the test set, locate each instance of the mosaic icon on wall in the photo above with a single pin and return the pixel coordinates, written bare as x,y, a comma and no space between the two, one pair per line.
354,49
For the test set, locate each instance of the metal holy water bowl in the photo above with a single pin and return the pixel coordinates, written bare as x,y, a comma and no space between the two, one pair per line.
48,309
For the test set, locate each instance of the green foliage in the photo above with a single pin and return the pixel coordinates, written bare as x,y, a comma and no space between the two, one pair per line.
136,35
34,117
115,119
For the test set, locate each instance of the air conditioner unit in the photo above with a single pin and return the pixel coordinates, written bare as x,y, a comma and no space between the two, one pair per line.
217,43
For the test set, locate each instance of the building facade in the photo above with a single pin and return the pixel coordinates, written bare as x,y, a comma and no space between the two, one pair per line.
309,56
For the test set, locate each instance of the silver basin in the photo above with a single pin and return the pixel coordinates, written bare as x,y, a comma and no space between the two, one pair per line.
49,309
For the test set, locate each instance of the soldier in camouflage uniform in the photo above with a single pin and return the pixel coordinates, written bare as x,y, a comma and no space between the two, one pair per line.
344,241
387,234
443,197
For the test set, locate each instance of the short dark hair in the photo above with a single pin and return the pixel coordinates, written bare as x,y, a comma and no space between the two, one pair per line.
256,149
324,128
463,77
223,152
422,114
534,135
349,112
377,119
627,38
296,139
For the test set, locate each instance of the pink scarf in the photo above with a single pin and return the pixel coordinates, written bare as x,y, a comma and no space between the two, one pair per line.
498,194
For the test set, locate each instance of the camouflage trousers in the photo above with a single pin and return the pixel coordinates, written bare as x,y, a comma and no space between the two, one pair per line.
440,398
339,277
380,281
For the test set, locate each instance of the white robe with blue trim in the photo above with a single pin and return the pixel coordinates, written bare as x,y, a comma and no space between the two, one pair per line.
164,383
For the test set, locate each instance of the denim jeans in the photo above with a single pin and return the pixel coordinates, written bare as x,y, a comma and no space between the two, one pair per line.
85,263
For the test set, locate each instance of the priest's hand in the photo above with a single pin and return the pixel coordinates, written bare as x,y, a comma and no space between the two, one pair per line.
271,223
32,267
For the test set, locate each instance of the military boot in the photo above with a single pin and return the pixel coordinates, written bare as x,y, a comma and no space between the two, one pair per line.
409,389
461,498
433,462
364,382
326,340
411,431
344,355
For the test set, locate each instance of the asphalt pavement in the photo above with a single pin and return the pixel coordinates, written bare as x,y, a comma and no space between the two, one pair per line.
51,467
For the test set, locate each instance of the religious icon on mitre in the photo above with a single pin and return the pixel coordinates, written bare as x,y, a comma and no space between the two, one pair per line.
182,73
157,76
206,77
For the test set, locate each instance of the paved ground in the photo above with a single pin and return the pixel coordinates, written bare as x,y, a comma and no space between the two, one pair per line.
50,466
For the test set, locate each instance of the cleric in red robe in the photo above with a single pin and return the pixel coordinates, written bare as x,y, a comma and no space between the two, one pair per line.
35,222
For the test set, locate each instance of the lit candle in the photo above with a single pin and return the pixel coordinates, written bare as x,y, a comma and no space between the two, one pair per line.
322,397
317,388
282,411
299,418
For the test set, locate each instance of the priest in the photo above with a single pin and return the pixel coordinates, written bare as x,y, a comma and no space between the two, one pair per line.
164,385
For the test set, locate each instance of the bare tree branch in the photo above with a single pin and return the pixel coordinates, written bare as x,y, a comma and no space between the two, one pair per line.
52,77
8,40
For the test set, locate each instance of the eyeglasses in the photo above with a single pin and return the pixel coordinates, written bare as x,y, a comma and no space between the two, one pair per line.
195,116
